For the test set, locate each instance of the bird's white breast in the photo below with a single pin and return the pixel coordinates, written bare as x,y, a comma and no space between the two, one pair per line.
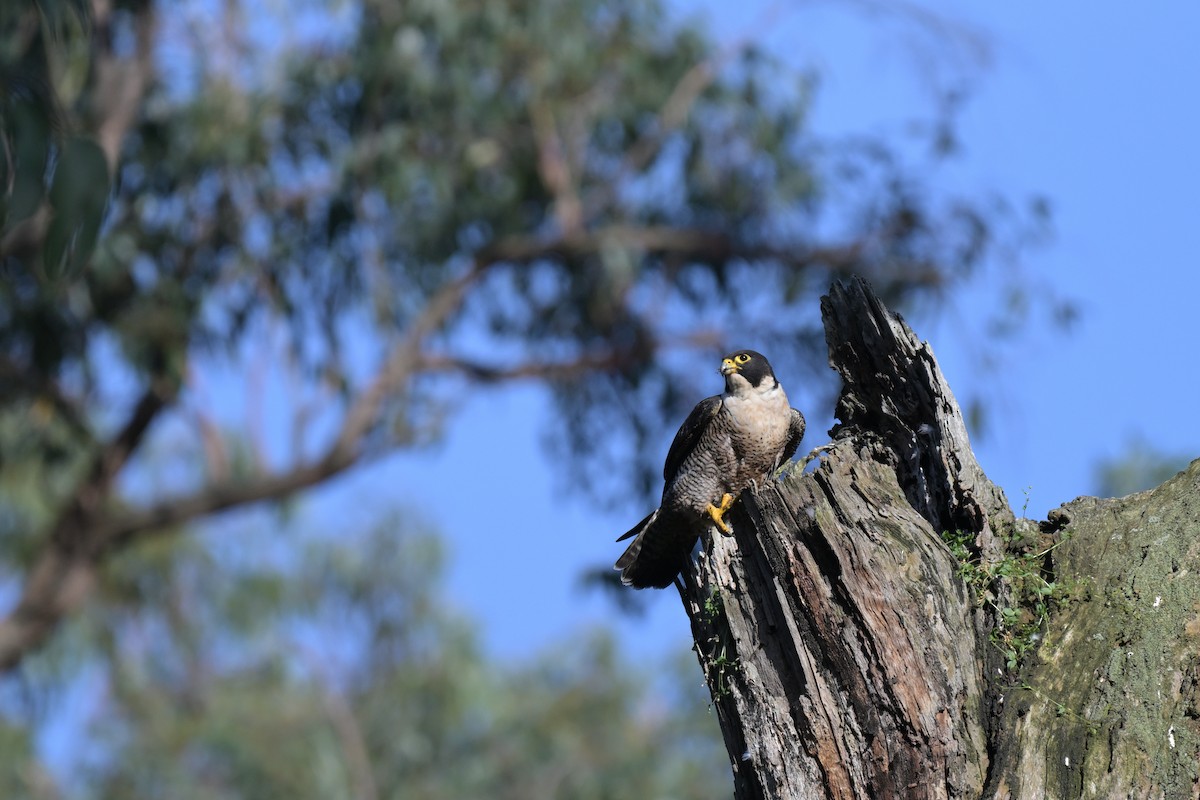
765,410
762,417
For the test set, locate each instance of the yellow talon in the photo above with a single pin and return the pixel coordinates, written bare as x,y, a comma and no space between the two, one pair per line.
718,512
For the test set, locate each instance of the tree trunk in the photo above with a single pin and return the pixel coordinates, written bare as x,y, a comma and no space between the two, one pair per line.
884,627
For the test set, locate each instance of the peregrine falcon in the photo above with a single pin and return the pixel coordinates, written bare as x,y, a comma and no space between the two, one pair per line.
728,442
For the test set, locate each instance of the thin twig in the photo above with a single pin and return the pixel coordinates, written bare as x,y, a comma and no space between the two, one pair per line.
554,170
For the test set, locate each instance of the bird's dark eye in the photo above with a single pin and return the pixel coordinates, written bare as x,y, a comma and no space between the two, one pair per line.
741,358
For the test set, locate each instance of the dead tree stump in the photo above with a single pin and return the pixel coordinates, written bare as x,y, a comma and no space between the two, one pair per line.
851,653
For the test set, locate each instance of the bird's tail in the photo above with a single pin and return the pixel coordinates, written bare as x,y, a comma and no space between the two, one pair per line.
656,555
635,547
641,526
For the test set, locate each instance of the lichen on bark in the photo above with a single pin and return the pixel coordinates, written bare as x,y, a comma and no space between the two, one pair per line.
1113,688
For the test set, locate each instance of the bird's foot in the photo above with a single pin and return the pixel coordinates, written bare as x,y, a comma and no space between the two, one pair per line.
718,513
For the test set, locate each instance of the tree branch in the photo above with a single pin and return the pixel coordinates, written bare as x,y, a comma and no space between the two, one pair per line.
346,727
90,526
603,361
402,360
343,452
123,527
63,571
541,370
121,80
694,243
676,109
554,168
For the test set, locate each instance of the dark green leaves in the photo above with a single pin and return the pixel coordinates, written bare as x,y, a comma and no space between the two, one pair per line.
28,149
78,194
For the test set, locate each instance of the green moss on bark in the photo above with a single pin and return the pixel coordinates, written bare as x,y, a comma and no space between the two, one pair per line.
1110,707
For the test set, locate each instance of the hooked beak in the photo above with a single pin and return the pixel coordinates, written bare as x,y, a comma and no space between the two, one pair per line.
728,367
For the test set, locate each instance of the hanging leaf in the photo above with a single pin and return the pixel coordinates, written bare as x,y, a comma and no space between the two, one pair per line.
78,195
28,138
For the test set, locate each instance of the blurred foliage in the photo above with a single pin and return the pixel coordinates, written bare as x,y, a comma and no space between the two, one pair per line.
1139,467
177,178
665,198
225,668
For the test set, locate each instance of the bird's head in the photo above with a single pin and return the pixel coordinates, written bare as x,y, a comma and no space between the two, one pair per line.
747,369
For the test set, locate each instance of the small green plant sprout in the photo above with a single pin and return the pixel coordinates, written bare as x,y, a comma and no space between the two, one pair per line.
719,664
1018,588
722,665
713,606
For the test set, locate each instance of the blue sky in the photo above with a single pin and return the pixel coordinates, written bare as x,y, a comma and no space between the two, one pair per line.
1095,107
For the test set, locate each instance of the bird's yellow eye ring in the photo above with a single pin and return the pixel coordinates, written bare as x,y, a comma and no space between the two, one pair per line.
741,358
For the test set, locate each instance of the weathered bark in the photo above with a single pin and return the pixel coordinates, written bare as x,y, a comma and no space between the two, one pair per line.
1110,706
848,658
